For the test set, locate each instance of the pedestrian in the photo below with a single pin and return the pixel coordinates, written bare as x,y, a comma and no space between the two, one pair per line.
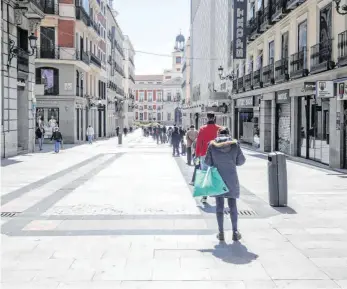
206,133
169,134
40,132
225,154
125,131
90,134
58,139
117,130
196,162
176,138
191,136
164,134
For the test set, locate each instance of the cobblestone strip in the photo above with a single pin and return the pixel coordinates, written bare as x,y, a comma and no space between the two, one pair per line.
14,227
23,190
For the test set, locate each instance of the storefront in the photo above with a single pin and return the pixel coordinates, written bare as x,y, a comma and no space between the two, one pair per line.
313,126
246,118
282,124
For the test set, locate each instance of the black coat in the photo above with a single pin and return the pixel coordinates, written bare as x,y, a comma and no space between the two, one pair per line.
176,137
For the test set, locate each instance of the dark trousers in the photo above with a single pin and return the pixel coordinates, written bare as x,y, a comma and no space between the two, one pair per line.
189,155
220,213
175,149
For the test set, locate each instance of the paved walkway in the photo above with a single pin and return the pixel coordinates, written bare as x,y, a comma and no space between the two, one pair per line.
108,216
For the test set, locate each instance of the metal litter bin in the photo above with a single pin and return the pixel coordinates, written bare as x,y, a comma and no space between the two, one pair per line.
277,178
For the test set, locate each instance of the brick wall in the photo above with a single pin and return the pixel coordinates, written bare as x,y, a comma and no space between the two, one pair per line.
66,32
66,1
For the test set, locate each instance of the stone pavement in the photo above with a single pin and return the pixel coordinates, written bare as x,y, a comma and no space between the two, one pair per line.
108,216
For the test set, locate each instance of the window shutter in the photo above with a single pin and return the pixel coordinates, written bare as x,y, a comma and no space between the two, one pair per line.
38,75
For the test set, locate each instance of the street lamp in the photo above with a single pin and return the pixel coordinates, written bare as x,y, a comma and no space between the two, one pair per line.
220,73
33,43
343,8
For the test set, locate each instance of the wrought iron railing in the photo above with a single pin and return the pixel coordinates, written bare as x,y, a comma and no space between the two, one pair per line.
253,27
119,69
257,79
240,84
50,7
321,56
298,64
278,8
22,60
248,81
234,90
281,70
268,74
265,17
95,60
48,52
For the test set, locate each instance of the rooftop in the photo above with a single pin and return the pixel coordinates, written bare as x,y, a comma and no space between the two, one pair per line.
153,77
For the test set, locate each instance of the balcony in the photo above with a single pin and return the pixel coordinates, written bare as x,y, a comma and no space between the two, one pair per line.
132,79
279,10
22,60
43,52
119,69
111,85
240,87
281,70
298,64
265,18
292,4
109,60
131,61
82,15
184,67
321,57
120,91
268,74
234,90
342,49
119,48
253,28
95,26
248,81
257,79
34,8
95,60
184,83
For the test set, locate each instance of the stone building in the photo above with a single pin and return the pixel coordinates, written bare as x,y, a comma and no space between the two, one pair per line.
290,89
18,26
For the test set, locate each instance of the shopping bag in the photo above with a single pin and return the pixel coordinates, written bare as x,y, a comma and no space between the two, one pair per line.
209,183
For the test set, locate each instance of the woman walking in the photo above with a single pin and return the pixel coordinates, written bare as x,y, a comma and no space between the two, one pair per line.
224,153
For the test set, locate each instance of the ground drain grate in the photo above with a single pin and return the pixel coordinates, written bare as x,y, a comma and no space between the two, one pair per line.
9,214
247,213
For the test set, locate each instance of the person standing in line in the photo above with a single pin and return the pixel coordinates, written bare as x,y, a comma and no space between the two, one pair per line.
164,134
58,138
40,132
117,130
169,134
206,134
125,131
176,139
90,134
196,162
190,137
225,154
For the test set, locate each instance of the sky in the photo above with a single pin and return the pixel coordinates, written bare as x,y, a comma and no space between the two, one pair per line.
152,26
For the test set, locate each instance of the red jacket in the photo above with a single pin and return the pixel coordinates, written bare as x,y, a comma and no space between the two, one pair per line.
206,133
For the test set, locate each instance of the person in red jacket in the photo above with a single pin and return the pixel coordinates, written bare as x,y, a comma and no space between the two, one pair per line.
206,134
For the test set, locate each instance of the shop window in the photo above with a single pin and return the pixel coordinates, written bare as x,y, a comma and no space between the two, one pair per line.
48,118
49,77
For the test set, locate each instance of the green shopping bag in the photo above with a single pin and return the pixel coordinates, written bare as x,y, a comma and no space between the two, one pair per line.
209,183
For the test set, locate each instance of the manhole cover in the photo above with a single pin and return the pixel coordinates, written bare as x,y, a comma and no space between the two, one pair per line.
9,214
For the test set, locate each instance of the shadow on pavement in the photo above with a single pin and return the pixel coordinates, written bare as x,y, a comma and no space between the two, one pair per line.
285,210
207,208
235,253
8,162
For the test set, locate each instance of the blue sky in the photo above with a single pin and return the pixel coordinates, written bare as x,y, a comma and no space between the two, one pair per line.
152,26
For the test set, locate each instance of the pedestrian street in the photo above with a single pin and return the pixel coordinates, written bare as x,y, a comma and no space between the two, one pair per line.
105,216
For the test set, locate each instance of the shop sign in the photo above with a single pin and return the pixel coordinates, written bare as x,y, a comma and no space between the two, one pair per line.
309,86
245,101
325,89
282,96
240,29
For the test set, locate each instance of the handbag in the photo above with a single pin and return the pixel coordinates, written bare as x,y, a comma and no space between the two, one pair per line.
209,183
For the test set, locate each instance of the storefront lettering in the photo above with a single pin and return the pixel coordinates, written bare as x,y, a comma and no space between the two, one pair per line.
282,96
240,17
247,101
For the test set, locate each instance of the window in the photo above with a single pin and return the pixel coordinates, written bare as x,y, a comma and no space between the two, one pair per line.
178,69
271,52
102,90
77,83
141,115
169,116
48,76
167,77
284,49
325,25
260,4
158,82
178,59
141,95
149,82
168,96
150,95
302,36
159,96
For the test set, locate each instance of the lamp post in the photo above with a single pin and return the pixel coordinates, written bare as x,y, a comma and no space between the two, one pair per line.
221,77
340,9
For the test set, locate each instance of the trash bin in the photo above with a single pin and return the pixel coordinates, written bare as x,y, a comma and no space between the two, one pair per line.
277,178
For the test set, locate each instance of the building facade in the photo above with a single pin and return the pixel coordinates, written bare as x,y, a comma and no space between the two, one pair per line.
18,26
115,72
210,46
158,98
289,92
129,85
